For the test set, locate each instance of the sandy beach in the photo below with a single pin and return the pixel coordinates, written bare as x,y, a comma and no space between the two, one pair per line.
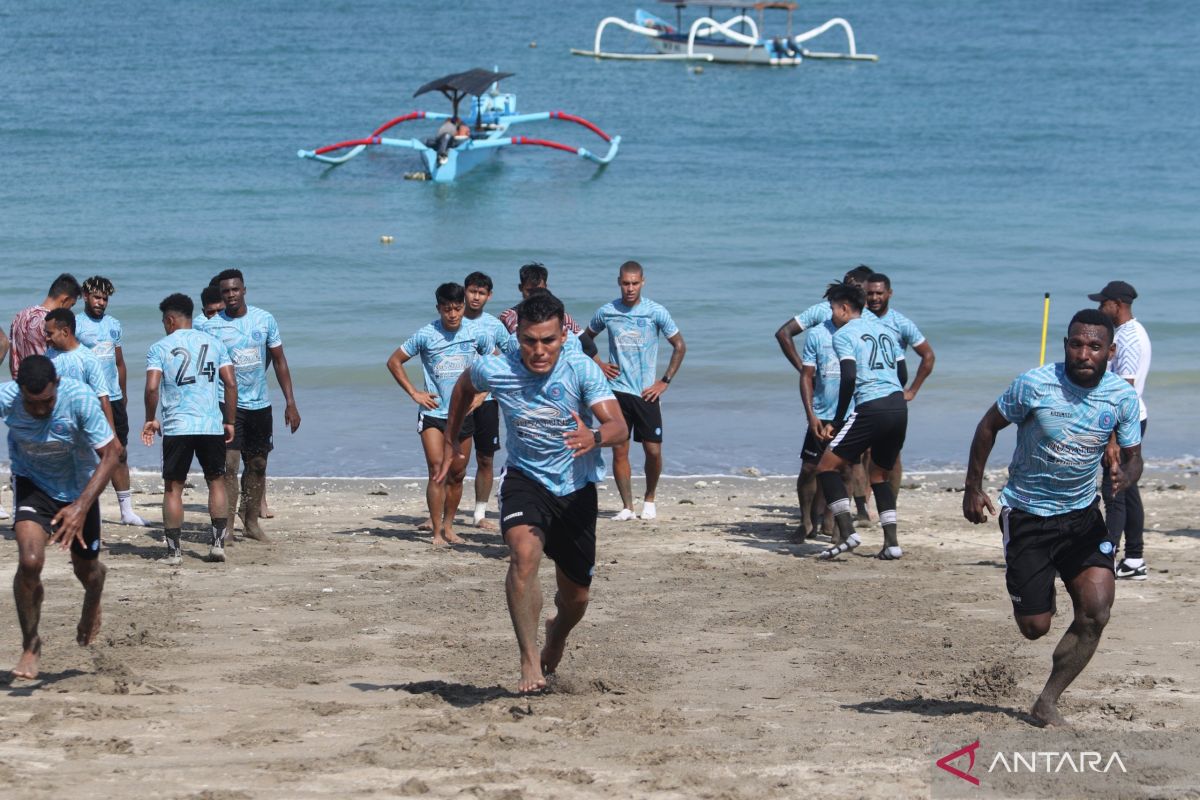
348,658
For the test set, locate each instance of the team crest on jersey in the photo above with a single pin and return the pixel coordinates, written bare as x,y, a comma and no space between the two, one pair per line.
59,428
466,347
1107,420
642,322
256,336
556,391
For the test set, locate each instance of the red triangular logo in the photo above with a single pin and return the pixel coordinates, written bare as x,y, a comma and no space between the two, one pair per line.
969,750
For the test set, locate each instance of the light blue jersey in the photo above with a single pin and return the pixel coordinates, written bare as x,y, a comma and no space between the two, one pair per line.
493,327
103,337
537,413
904,330
57,453
81,365
633,341
827,378
189,361
247,338
1062,430
445,355
874,350
814,315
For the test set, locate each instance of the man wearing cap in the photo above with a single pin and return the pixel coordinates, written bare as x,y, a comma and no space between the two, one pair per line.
1123,510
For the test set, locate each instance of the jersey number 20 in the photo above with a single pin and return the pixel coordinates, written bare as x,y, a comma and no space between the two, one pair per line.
881,346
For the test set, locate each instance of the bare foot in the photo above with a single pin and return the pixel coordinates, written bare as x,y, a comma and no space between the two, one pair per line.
27,667
799,537
427,525
485,524
439,542
450,536
552,653
532,679
253,531
89,619
263,511
1047,713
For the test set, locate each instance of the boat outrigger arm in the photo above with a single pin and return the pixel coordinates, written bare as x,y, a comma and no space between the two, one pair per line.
489,118
735,40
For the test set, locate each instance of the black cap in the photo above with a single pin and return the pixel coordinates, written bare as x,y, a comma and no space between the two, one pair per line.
1115,290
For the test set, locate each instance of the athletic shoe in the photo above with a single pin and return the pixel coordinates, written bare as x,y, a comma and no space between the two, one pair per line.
649,511
215,554
1126,570
625,515
844,547
173,558
3,513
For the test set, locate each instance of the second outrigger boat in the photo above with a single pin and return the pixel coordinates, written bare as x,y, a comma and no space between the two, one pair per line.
736,40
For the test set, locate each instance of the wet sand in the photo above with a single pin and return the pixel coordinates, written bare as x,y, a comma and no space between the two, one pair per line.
349,658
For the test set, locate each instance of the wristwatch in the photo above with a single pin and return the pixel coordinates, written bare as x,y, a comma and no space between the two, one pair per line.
596,436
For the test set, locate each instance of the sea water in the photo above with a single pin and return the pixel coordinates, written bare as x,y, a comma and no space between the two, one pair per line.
997,151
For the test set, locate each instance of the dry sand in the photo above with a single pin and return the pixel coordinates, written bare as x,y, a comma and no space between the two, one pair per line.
348,658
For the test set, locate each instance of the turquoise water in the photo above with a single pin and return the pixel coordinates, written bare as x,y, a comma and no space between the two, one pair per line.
997,151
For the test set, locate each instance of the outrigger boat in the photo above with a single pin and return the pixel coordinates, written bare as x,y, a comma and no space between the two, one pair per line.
491,115
736,40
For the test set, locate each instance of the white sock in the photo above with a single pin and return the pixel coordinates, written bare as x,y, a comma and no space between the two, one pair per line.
1135,562
625,514
126,503
480,511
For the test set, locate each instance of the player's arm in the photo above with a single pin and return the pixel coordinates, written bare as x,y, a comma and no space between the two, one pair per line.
106,407
975,500
291,414
587,340
150,399
612,431
902,373
67,525
3,346
849,369
807,388
119,355
927,358
464,398
786,336
395,365
1129,470
229,381
678,350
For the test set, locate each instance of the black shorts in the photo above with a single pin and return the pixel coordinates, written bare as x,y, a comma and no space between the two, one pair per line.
568,522
426,422
179,450
879,425
486,420
813,447
1035,548
252,431
31,504
643,417
120,420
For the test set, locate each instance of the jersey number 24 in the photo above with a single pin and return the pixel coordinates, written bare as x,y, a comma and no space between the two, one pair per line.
207,368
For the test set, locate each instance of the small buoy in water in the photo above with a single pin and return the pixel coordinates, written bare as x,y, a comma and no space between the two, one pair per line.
532,45
698,69
386,239
416,176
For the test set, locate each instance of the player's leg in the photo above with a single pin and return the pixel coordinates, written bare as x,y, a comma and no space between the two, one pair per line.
120,478
845,449
572,546
654,462
176,458
860,486
233,463
806,484
85,560
433,443
646,429
28,591
570,604
487,442
622,471
210,452
255,450
524,595
454,490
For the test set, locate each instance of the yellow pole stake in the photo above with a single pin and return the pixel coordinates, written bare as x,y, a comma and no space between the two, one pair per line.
1045,327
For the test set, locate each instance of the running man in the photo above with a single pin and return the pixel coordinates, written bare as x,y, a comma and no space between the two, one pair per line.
446,347
634,324
1123,510
812,316
1049,514
28,331
100,332
185,365
867,354
55,430
819,392
486,418
252,338
548,487
72,360
906,334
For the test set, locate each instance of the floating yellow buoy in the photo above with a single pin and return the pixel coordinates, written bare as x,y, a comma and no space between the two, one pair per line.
386,239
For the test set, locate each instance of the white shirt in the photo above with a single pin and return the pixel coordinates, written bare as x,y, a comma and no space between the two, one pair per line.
1132,361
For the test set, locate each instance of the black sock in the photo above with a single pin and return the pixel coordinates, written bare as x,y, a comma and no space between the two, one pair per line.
885,502
860,505
172,536
219,525
838,501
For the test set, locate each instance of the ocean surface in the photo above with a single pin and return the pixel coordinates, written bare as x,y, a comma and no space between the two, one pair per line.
995,152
